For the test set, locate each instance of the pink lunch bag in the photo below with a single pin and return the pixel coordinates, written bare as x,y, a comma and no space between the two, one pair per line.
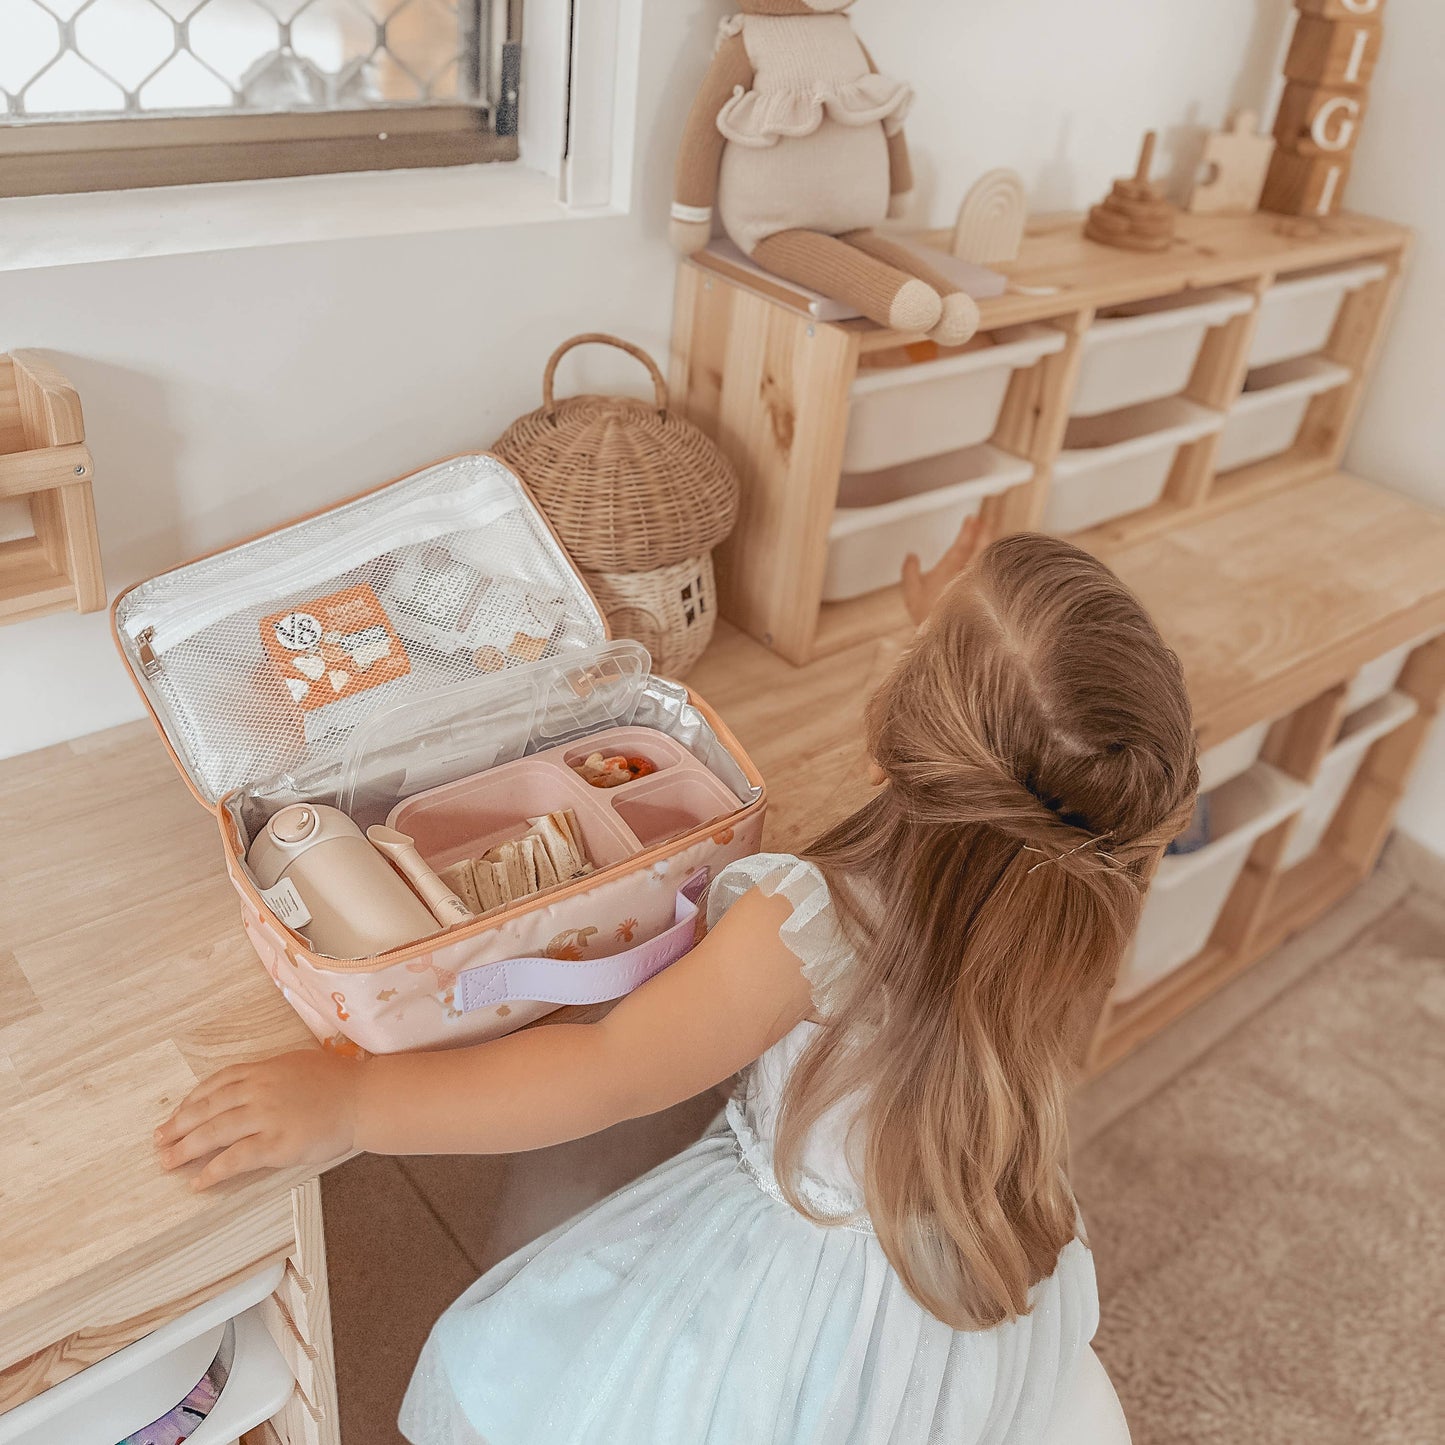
385,656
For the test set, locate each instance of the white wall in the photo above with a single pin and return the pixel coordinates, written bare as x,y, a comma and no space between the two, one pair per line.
1401,436
225,392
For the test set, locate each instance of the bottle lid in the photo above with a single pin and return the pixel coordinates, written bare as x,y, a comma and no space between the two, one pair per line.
294,824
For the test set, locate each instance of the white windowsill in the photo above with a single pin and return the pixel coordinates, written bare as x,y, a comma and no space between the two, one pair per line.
41,231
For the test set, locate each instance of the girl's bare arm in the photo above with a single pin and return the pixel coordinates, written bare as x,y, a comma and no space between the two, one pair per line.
686,1030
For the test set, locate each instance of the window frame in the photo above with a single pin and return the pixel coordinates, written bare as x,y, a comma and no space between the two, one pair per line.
124,153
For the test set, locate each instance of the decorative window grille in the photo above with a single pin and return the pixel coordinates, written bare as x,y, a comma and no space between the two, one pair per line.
437,76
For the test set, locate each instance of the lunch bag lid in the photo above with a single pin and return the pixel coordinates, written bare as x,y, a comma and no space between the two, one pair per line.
265,659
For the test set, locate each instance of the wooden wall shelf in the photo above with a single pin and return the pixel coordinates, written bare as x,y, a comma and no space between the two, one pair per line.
44,460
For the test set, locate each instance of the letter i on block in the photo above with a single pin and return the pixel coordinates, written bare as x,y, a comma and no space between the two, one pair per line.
1330,64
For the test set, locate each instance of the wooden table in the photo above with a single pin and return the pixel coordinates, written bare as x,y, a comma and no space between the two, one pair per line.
125,978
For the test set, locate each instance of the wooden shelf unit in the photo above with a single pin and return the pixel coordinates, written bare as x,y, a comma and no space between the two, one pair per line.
772,387
1273,606
1276,582
1270,904
44,460
1284,637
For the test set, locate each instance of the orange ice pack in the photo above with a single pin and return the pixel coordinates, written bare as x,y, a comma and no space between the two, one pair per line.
334,647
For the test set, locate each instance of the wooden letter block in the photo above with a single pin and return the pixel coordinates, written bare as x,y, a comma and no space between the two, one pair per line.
1334,53
1305,185
1319,121
1342,9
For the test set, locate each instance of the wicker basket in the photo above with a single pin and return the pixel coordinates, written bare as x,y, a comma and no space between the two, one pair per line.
639,498
670,610
629,485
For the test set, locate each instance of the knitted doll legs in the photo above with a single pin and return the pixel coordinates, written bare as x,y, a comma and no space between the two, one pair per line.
960,311
883,292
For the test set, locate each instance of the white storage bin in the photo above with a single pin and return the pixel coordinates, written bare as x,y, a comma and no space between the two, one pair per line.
1376,678
1191,889
1266,417
1147,349
1297,314
1359,732
917,507
899,414
1116,464
135,1386
1227,760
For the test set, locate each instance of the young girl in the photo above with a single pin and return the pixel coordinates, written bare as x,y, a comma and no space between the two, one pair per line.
880,1243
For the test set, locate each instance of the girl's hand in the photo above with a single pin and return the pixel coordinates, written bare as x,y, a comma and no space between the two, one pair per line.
922,589
293,1109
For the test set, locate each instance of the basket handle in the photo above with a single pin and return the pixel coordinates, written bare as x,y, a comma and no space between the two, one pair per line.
549,403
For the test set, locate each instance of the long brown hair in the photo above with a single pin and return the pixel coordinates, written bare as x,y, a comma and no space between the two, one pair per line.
1039,754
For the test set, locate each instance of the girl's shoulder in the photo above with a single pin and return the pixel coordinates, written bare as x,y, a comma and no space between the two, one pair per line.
813,931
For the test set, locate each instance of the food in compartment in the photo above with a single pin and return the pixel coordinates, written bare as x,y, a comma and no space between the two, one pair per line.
612,771
550,853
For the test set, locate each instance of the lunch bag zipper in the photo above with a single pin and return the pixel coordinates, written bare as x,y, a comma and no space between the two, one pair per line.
161,629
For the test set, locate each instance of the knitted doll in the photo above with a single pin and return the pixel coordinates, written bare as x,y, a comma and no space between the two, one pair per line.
799,141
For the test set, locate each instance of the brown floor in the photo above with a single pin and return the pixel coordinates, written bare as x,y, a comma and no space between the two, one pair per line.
405,1237
1263,1187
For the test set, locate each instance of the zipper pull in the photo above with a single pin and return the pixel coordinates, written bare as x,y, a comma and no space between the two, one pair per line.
150,664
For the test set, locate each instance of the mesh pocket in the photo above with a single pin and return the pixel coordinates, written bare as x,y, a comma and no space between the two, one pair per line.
263,659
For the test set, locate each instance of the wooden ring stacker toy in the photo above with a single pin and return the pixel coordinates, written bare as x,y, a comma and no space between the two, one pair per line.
1134,216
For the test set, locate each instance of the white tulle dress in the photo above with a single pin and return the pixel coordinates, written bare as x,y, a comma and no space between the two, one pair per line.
696,1307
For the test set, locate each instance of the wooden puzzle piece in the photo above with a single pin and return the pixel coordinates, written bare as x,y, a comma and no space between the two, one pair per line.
1233,167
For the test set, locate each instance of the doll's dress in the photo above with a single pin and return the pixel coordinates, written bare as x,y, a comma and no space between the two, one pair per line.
696,1307
807,146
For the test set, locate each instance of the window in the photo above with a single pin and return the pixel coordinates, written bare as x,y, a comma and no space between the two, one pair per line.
100,94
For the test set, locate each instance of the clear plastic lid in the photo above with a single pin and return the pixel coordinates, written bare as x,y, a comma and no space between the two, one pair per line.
426,742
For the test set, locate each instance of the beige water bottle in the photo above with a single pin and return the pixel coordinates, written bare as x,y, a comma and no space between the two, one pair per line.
355,903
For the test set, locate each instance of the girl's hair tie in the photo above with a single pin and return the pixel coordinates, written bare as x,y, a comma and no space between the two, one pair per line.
1056,806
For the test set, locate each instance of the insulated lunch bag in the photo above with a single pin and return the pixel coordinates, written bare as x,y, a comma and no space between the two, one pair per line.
426,655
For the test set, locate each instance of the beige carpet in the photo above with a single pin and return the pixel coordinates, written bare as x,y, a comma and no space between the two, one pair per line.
1269,1225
